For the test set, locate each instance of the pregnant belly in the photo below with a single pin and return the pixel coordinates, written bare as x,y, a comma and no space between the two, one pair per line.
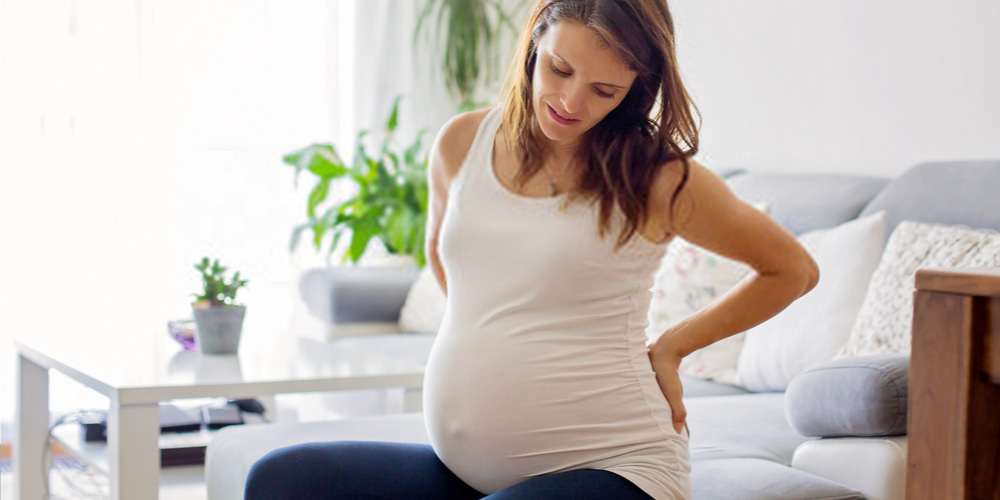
499,412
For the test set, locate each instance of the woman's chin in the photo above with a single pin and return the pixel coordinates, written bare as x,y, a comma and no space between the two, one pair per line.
553,135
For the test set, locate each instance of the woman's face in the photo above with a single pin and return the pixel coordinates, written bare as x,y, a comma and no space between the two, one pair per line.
576,83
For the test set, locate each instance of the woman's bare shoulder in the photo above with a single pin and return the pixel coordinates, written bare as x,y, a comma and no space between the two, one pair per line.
455,139
671,176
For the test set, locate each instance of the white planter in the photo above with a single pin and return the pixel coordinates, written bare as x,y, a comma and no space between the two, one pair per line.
218,329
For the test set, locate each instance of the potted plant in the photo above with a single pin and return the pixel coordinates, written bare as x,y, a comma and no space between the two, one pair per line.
218,320
389,203
387,206
471,33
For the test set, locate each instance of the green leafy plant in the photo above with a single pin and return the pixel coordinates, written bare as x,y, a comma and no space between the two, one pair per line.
470,32
216,291
390,203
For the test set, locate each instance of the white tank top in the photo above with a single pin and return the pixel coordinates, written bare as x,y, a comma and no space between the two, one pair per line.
541,363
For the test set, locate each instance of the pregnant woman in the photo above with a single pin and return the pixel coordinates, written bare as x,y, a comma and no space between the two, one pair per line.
549,215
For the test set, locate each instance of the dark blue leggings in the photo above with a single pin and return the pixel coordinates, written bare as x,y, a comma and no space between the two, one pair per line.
370,470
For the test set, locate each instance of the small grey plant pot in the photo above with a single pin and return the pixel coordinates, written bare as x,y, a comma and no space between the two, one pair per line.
218,328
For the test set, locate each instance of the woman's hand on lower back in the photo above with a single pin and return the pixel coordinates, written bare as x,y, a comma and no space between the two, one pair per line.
665,365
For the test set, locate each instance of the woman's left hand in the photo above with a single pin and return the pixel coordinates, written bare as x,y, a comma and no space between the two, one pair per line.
665,365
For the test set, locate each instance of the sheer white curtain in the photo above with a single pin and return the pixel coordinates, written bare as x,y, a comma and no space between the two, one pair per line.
388,64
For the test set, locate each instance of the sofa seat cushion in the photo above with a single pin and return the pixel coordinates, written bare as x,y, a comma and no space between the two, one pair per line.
741,447
751,479
696,387
741,426
235,449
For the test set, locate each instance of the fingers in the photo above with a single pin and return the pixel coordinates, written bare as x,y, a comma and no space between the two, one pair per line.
680,418
675,398
680,413
670,384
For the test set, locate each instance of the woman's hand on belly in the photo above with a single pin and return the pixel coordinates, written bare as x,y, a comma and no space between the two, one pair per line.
665,365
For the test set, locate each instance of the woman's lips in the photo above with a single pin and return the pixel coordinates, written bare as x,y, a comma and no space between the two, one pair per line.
555,116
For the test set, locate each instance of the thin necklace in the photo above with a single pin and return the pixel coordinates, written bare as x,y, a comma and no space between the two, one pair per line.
552,183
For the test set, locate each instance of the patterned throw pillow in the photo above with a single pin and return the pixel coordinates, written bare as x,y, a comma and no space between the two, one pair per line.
689,279
424,307
884,323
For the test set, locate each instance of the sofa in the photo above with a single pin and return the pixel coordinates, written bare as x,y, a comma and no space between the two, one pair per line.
833,428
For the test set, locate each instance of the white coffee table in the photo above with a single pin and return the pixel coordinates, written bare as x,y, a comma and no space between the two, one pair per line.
135,386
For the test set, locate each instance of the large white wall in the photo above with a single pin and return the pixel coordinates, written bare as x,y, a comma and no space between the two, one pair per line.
854,86
851,86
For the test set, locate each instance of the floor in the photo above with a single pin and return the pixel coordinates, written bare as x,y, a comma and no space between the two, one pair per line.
70,480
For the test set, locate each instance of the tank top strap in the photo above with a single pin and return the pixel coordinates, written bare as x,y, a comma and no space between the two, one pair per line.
480,155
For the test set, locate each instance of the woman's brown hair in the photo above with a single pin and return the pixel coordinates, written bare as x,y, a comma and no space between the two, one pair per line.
623,153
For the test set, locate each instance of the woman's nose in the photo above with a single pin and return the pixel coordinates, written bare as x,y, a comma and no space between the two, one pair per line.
572,100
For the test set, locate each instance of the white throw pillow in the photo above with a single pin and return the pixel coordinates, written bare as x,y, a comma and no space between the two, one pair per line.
813,328
690,278
424,307
884,324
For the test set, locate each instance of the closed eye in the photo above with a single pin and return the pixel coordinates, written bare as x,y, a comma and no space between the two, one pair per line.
564,74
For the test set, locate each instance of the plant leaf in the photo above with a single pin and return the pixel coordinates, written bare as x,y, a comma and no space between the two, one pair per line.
390,124
319,228
297,235
428,7
362,234
317,196
397,230
325,162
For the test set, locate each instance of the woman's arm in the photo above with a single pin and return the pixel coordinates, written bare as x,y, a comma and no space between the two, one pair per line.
446,157
709,215
439,177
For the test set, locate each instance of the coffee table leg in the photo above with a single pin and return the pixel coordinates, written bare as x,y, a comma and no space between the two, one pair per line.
32,419
134,451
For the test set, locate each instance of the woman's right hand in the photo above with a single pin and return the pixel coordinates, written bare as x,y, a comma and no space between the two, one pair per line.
666,363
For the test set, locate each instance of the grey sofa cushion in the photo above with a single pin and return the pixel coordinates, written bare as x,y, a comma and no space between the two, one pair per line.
741,448
750,479
955,192
357,294
234,449
697,387
741,426
859,396
804,202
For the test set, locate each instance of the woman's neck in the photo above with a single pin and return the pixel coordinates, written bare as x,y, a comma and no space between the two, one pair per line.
561,155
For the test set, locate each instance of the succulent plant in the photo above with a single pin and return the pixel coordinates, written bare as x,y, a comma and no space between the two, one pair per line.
216,291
